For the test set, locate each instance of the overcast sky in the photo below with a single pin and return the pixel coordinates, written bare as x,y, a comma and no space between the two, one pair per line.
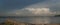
29,7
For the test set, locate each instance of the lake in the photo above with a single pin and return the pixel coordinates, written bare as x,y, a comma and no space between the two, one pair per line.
34,20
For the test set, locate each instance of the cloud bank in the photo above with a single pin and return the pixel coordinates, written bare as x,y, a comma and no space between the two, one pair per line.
33,12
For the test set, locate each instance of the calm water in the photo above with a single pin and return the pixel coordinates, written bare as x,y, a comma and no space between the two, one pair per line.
35,19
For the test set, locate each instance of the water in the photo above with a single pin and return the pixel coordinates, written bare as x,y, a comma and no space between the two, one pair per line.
34,19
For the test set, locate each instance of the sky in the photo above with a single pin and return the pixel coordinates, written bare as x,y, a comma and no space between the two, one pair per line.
11,7
31,8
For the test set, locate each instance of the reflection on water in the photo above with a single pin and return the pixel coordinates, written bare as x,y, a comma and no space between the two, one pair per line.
34,19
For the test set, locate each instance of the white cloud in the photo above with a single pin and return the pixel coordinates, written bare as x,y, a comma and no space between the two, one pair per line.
33,12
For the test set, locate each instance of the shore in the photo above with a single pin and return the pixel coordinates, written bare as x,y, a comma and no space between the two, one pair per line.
11,22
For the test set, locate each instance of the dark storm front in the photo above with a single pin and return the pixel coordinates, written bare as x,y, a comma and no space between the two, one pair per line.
33,20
